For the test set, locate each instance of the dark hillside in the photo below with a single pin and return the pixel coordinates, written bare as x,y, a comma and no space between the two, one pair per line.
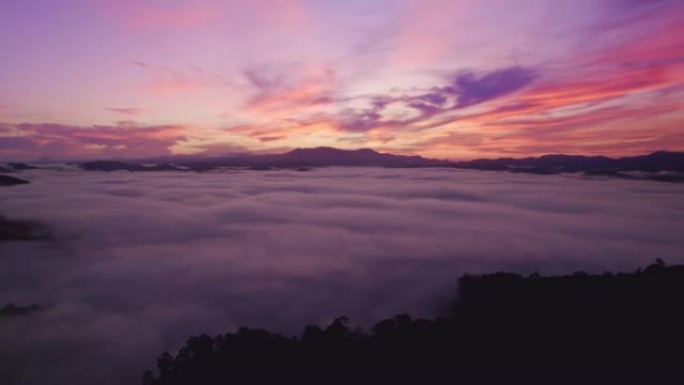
622,324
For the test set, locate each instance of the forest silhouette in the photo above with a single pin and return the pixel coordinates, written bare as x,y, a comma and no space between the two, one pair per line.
503,324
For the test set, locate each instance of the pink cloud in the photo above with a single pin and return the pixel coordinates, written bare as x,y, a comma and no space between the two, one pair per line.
288,91
532,130
130,112
30,141
422,38
652,41
165,80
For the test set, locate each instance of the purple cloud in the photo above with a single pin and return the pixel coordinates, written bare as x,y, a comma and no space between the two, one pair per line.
465,90
433,98
471,90
12,142
356,121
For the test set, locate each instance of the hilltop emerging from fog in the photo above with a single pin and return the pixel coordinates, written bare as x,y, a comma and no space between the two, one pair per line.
501,324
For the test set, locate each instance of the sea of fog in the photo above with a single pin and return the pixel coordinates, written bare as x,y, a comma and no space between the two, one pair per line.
140,261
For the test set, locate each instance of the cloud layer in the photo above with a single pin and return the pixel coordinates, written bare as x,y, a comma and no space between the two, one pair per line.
141,261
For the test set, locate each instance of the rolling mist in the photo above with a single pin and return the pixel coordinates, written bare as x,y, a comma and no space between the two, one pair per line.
137,262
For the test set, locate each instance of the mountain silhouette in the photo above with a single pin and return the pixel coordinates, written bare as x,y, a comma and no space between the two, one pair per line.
305,158
299,159
555,163
329,156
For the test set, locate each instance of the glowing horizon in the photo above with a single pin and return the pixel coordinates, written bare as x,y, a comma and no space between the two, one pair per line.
438,78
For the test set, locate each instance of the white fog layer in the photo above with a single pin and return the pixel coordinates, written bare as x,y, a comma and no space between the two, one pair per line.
141,261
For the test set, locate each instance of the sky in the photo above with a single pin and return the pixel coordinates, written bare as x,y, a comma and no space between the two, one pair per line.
139,262
448,79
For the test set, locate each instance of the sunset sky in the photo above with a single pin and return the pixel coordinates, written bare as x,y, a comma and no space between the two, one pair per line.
456,79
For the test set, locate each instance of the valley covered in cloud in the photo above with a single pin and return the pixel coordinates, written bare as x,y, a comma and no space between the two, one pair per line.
137,262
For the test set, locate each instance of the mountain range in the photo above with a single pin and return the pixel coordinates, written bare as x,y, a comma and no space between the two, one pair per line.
303,159
662,165
550,164
299,159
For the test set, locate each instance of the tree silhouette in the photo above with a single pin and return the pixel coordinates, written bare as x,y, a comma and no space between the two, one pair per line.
503,324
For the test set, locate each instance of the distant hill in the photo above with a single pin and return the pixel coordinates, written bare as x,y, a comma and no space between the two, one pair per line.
362,157
657,161
649,166
106,165
12,167
6,180
320,157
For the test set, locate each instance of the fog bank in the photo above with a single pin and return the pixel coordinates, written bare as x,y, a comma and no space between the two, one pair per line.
140,261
